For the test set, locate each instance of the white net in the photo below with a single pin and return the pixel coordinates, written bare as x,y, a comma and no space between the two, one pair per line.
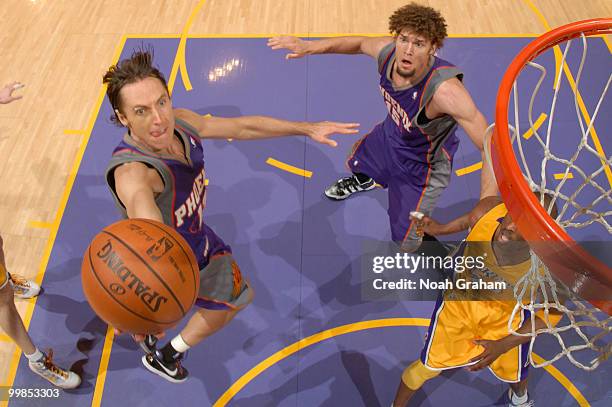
579,183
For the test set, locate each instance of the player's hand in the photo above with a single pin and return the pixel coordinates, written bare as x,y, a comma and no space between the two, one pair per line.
492,350
297,46
321,131
6,93
425,224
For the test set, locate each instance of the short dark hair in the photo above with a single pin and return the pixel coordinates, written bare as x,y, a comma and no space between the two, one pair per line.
139,66
423,20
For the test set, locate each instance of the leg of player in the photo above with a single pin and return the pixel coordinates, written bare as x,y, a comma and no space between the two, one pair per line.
11,323
166,362
517,394
412,379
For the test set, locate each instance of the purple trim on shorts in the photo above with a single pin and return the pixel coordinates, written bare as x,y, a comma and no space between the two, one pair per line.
212,305
524,351
432,323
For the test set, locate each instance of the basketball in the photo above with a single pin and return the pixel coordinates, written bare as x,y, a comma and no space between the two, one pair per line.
140,276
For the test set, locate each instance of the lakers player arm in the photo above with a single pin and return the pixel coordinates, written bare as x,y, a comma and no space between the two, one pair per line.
494,349
136,186
339,45
463,222
452,98
260,127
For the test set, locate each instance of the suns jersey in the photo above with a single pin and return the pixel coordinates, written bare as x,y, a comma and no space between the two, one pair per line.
411,133
183,199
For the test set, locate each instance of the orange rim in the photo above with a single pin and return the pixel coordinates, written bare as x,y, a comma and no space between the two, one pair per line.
568,260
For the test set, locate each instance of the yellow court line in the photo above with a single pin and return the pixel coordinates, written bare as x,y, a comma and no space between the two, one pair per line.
561,175
570,79
60,212
73,132
101,377
309,341
557,50
527,135
179,64
5,338
40,225
469,169
246,378
564,381
289,168
607,43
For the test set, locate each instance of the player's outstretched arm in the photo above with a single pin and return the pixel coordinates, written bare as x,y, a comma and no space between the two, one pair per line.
299,48
425,224
133,185
260,127
6,93
452,98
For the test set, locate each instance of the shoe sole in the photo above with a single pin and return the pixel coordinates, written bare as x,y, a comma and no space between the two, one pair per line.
337,198
64,387
157,372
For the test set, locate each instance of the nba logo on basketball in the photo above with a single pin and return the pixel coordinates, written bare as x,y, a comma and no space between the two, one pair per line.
161,247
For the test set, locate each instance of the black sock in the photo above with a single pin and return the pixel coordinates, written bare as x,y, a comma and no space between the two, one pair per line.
169,354
362,178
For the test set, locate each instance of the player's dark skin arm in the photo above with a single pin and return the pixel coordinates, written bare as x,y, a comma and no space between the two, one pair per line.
463,222
494,349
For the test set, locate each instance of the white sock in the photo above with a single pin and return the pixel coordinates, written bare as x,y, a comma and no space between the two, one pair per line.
179,344
34,357
519,399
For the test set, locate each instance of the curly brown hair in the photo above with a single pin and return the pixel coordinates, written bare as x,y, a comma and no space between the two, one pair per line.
422,20
139,66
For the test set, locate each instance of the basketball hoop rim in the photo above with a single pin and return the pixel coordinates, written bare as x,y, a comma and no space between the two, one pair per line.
512,185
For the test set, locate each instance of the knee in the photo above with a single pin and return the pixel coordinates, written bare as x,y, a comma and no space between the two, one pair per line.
416,374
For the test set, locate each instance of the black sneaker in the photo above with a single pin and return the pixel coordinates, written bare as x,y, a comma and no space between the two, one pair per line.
345,187
173,372
148,345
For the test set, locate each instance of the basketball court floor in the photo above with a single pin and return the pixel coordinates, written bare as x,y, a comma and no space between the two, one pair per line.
309,338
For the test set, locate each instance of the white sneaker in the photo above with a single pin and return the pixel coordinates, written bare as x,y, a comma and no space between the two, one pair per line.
347,186
528,403
57,376
22,287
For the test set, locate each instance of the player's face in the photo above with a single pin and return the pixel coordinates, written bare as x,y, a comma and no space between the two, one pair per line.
147,111
412,53
508,231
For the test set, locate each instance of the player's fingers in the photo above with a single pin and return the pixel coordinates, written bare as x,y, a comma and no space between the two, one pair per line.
348,131
16,97
292,56
484,362
479,357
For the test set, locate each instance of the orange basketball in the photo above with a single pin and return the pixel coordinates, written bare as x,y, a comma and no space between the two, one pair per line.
140,276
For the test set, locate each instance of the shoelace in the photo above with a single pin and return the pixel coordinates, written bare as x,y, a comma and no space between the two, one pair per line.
48,362
348,183
18,280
